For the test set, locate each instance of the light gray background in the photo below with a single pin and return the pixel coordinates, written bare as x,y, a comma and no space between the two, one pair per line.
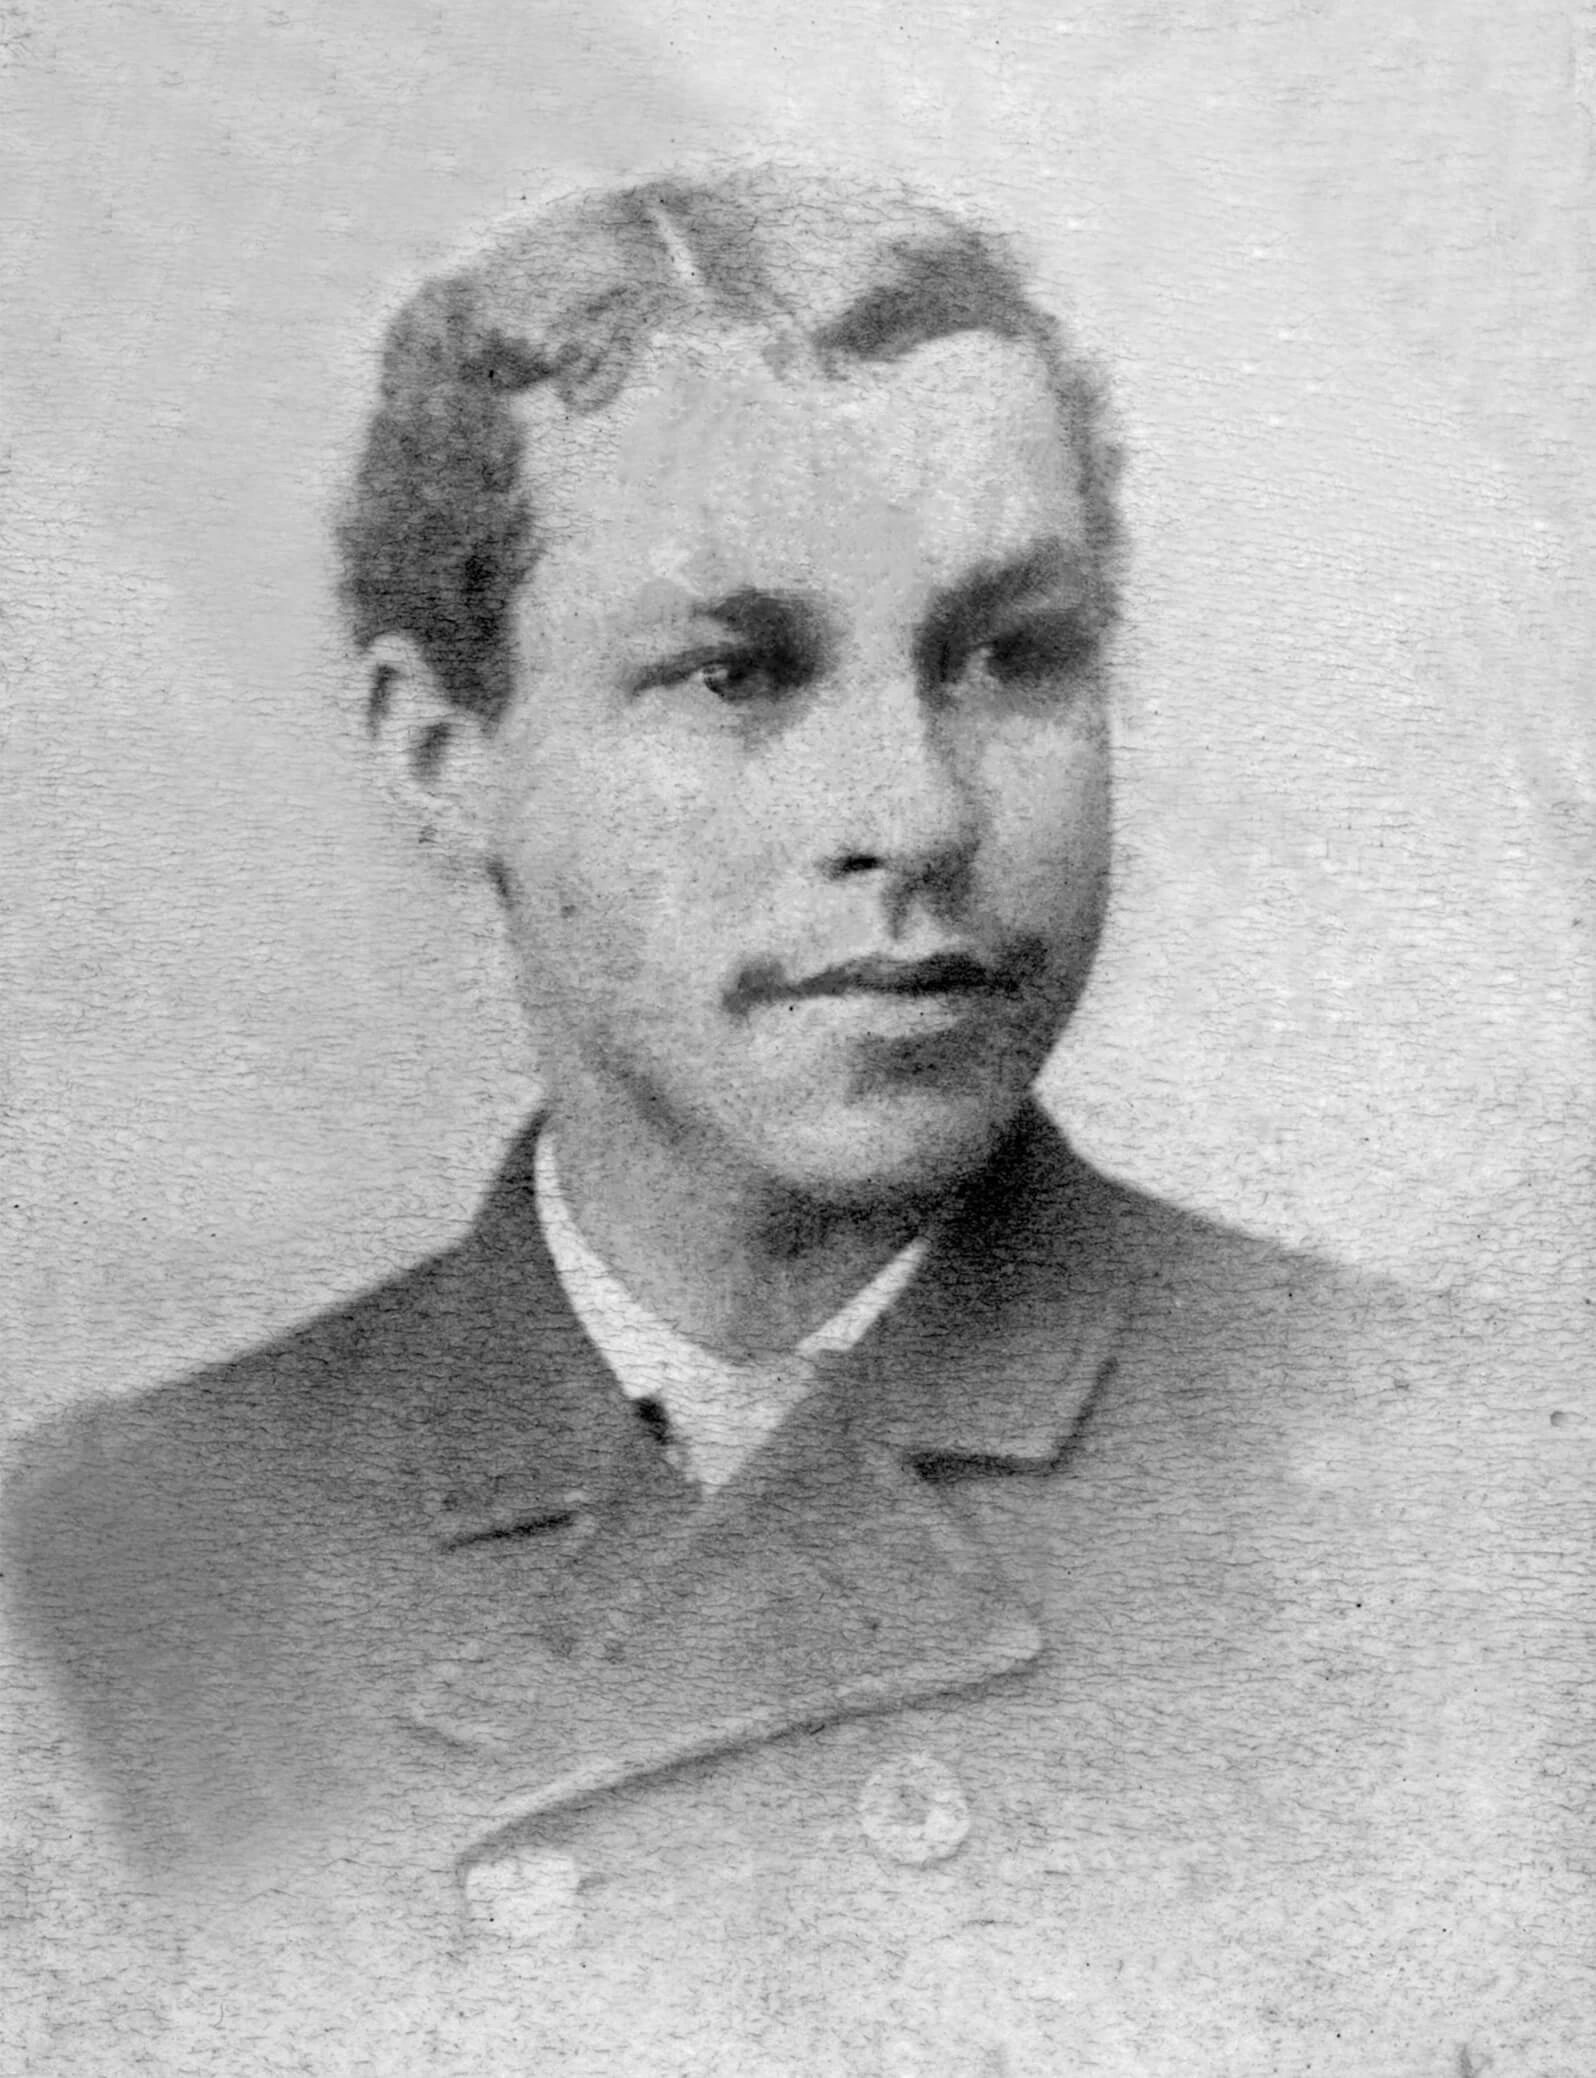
256,1051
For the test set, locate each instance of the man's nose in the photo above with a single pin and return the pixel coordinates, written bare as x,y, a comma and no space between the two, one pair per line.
891,792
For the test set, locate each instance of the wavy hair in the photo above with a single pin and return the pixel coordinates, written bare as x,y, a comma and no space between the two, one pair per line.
440,530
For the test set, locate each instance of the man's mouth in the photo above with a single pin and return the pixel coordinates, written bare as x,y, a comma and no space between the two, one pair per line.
941,974
953,972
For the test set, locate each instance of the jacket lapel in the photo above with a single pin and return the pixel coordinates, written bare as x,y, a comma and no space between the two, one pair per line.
620,1628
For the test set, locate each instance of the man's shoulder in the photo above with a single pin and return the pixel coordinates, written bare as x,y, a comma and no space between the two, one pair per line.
1274,1373
209,1474
297,1384
1201,1285
1205,1293
1231,1314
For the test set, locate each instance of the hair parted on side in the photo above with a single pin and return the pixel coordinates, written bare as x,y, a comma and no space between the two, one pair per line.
439,530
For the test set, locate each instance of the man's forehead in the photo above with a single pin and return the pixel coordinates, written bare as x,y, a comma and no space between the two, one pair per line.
717,470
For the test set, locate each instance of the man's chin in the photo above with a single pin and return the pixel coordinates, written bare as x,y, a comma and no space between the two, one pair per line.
884,1149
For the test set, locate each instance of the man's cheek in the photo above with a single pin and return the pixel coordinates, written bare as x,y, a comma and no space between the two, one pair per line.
1049,867
618,928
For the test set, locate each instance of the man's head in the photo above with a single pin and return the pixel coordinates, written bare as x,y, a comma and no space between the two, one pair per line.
733,565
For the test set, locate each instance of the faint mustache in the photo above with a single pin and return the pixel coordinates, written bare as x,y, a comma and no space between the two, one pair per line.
1015,969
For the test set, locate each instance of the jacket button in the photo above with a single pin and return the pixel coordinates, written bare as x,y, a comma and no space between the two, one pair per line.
912,1810
524,1898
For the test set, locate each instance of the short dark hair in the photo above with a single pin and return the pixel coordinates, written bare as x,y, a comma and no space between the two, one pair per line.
439,531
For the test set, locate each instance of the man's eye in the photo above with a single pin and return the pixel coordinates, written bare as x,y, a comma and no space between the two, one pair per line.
1043,649
736,680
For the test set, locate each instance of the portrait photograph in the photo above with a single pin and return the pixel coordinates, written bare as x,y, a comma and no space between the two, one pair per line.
798,1076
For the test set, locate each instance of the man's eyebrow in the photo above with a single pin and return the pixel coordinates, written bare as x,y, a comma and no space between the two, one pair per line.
759,616
1050,566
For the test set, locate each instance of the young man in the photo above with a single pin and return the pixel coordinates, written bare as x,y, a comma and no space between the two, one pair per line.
818,1579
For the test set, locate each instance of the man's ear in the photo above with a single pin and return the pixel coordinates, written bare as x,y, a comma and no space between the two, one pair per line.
431,754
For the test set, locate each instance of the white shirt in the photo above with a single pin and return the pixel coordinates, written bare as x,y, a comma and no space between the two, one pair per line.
719,1410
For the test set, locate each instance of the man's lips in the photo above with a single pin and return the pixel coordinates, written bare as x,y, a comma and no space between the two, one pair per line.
934,974
943,973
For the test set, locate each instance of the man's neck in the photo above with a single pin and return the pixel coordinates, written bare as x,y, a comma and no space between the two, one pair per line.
728,1259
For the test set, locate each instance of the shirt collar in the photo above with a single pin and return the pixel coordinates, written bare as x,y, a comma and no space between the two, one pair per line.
720,1408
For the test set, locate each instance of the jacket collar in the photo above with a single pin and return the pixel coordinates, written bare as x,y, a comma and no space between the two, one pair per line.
992,1355
828,1577
989,1356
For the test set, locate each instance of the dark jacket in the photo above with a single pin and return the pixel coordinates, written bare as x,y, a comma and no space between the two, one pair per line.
1118,1664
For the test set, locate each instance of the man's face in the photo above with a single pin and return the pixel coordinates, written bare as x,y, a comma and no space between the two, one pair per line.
803,798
